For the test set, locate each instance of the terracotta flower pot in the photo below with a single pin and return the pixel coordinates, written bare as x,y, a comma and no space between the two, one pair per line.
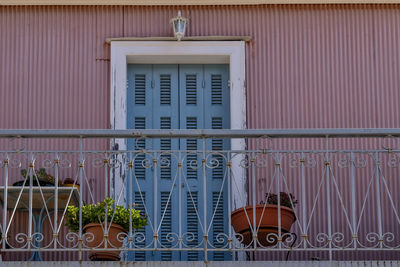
112,241
268,224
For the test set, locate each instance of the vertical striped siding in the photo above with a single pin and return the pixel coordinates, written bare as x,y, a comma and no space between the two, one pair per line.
323,66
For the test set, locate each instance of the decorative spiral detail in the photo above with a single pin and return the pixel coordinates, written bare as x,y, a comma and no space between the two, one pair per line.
214,160
245,162
72,238
14,147
38,238
65,163
195,165
264,143
188,237
121,237
297,160
222,239
213,163
172,238
360,162
15,163
373,238
344,163
357,162
48,164
261,162
388,238
337,238
392,143
288,239
22,238
139,238
294,162
100,162
87,238
323,239
271,240
165,161
143,159
239,237
393,161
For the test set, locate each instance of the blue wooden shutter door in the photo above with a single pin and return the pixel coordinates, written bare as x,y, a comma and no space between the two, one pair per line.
179,97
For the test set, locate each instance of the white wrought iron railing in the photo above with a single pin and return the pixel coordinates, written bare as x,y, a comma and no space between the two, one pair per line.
339,187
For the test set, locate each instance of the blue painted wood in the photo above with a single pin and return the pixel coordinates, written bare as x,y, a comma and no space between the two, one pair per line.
217,116
191,79
179,97
139,115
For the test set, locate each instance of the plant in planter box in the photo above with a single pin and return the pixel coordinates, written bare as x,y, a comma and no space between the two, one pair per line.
93,217
266,219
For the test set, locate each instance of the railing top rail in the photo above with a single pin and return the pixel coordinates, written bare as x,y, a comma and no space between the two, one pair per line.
203,133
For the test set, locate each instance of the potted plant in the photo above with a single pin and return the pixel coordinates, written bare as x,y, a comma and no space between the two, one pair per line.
93,217
43,177
268,223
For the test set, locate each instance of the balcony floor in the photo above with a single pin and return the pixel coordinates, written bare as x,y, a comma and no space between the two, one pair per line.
200,264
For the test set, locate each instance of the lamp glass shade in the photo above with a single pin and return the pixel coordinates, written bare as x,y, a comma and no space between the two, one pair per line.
179,26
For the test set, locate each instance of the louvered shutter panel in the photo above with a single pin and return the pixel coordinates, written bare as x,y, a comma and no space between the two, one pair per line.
216,89
192,224
140,202
191,87
191,144
217,145
165,89
216,116
218,224
166,225
165,144
165,115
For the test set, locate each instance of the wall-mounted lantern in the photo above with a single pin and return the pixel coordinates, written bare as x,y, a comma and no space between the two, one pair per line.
179,26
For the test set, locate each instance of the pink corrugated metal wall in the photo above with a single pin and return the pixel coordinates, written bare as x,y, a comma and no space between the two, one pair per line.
322,66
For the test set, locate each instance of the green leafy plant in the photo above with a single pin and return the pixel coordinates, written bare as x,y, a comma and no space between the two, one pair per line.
287,200
96,213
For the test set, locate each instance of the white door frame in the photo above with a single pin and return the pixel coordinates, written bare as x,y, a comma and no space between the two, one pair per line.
194,52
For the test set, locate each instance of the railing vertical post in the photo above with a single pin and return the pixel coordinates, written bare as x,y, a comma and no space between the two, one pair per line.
155,200
81,165
55,233
4,233
180,188
353,200
278,191
131,192
105,162
228,165
205,233
253,189
303,200
31,173
328,197
378,199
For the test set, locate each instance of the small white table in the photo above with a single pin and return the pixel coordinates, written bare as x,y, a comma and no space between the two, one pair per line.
42,197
